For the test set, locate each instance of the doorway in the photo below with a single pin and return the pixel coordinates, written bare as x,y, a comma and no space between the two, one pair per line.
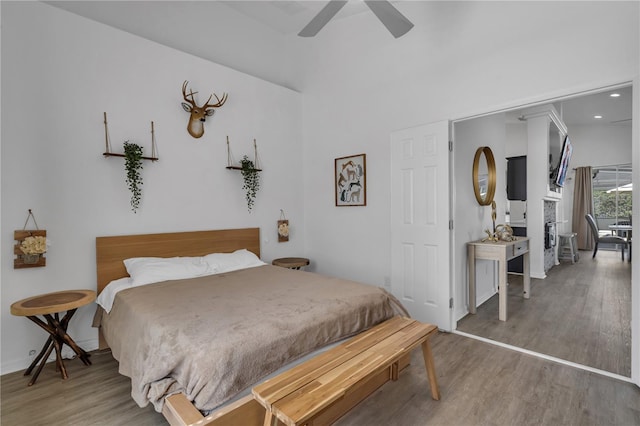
503,132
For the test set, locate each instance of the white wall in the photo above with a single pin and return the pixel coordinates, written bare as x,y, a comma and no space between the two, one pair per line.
538,193
471,219
460,59
59,73
516,139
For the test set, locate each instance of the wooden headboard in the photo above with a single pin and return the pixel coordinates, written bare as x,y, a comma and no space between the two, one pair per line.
111,251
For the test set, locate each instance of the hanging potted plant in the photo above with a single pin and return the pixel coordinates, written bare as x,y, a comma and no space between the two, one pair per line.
251,180
133,165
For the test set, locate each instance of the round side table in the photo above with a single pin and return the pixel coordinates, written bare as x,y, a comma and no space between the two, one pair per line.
49,306
291,262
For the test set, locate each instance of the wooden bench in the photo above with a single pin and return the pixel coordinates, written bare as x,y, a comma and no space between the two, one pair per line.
324,388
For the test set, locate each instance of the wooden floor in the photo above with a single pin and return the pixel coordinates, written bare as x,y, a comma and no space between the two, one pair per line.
481,384
581,313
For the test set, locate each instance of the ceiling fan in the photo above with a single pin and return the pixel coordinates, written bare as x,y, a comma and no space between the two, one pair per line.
395,22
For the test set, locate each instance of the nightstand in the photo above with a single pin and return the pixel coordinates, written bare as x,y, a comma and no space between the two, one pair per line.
291,262
49,306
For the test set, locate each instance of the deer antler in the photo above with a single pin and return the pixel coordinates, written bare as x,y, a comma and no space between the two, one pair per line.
216,105
206,105
191,101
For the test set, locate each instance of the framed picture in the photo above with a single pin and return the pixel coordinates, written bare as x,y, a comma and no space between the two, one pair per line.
351,180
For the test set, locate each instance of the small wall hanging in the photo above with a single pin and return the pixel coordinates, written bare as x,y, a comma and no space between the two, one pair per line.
283,228
249,170
198,115
351,180
31,245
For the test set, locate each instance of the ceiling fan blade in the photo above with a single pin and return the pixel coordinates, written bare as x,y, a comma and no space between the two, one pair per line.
395,21
321,19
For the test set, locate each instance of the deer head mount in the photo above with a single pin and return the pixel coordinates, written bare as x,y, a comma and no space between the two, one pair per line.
198,115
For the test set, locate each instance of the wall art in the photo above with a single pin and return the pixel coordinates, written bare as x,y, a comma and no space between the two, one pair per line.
351,180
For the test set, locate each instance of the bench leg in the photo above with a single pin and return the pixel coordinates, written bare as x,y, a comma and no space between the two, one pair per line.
431,370
394,371
270,419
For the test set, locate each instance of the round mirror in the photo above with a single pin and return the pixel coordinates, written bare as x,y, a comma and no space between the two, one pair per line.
484,175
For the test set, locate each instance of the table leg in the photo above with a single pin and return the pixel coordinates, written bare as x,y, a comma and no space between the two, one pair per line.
502,290
42,363
526,277
59,364
60,329
471,266
57,345
58,337
39,357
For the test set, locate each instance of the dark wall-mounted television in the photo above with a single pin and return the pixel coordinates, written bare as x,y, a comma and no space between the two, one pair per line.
559,173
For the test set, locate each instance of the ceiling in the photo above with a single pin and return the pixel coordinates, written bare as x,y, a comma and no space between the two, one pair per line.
288,18
613,110
285,17
582,110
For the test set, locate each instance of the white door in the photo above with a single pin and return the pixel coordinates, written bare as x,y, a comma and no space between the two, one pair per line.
420,235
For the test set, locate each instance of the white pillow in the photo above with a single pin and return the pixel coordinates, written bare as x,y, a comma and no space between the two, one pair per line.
147,270
227,262
106,296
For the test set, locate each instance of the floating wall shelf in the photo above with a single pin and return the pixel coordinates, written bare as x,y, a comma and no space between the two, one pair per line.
230,161
239,168
108,152
113,154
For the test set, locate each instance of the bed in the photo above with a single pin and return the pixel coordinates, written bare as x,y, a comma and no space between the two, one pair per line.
211,337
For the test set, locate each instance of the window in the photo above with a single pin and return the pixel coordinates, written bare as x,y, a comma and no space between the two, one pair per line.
612,189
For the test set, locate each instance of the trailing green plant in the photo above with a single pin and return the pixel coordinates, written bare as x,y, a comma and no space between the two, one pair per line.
251,181
133,165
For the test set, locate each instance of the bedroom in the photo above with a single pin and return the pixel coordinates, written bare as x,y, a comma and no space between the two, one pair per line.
457,63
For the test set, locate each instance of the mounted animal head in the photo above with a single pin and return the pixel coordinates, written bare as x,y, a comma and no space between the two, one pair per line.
198,115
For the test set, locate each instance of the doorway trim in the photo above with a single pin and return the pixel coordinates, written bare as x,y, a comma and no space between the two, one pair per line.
547,357
557,96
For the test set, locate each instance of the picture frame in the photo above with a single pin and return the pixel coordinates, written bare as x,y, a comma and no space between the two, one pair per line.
350,180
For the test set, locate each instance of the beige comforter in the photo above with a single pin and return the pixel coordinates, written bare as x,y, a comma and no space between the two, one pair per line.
211,337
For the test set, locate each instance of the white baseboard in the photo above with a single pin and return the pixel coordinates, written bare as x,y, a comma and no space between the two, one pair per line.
538,275
483,298
67,353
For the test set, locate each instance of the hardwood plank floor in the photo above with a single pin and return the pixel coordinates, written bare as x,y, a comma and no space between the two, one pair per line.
93,395
581,313
481,384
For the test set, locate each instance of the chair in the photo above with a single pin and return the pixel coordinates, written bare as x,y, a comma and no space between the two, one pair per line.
606,239
568,249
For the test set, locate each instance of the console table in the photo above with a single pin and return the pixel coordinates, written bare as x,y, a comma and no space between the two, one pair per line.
500,251
49,306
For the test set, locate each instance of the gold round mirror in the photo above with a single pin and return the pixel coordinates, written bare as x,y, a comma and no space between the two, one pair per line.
484,175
